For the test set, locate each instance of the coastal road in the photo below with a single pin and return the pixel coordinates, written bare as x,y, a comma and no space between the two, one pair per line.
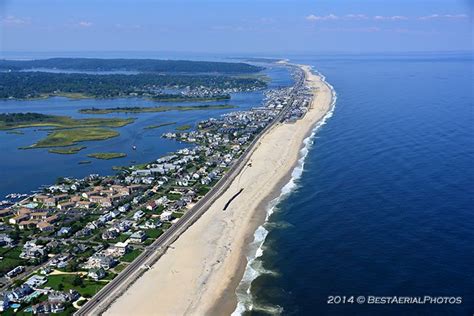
104,298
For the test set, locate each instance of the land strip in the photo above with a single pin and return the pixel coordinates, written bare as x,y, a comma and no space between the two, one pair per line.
137,109
232,228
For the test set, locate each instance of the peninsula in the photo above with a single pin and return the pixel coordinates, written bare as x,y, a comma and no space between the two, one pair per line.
138,109
96,236
210,256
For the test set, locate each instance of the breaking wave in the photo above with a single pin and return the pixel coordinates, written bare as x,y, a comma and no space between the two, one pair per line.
254,266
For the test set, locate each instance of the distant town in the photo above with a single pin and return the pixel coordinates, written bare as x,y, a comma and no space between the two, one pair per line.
62,245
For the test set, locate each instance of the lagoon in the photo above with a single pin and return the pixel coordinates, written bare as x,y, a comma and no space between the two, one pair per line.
25,170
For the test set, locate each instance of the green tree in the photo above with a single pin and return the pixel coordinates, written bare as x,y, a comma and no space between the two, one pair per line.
77,281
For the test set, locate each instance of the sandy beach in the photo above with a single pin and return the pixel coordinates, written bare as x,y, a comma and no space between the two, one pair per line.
198,275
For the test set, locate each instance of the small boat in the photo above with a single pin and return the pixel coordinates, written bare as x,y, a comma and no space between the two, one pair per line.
134,147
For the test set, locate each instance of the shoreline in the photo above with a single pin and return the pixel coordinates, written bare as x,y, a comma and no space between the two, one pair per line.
211,256
281,191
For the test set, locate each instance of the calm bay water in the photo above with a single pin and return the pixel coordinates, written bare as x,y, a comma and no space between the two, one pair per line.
384,206
22,171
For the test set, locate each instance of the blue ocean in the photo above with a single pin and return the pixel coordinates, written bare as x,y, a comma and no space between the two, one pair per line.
382,205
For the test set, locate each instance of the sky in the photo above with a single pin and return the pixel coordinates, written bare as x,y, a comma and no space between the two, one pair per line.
230,26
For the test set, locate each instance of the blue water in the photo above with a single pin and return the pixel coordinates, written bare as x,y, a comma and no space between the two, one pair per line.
384,206
22,171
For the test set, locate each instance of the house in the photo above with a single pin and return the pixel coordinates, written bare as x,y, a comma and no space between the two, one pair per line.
138,215
65,205
27,224
75,198
84,204
166,216
58,297
137,237
52,245
110,234
4,303
36,281
124,225
100,260
150,206
17,294
59,262
114,213
6,212
16,271
162,200
105,218
118,250
51,219
182,182
206,180
124,208
63,231
45,226
47,308
50,202
79,248
101,200
19,218
31,251
116,198
46,270
96,273
5,240
39,215
40,198
119,189
150,225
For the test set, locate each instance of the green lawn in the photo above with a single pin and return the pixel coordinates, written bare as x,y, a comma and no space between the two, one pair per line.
88,289
174,196
159,125
10,259
21,120
120,238
67,150
132,255
119,268
154,233
107,156
68,137
137,109
183,127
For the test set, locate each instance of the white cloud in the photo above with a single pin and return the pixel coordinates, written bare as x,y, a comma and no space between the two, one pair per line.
85,24
353,16
13,20
314,18
371,29
356,16
390,18
444,16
